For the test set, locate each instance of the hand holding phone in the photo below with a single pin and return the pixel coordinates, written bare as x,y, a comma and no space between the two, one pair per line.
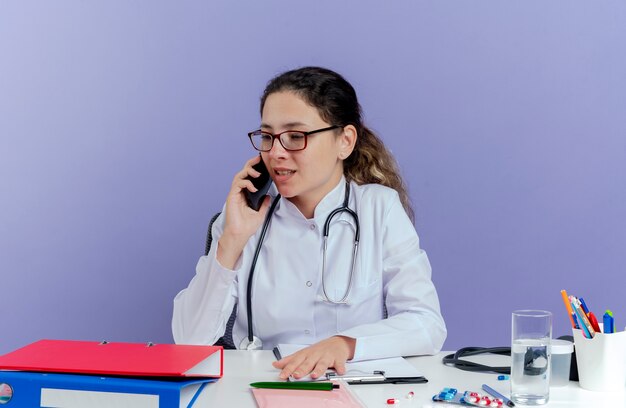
262,183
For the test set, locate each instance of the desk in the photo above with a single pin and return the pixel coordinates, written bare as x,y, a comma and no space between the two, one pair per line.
243,367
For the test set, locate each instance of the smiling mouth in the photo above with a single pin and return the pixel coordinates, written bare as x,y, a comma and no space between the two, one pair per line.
284,172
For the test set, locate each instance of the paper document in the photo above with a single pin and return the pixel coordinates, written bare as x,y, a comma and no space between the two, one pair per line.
393,368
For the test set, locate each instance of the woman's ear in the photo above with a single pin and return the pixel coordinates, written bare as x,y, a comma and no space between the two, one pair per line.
347,141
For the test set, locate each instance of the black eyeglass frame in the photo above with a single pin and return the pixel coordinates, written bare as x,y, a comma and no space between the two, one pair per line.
278,136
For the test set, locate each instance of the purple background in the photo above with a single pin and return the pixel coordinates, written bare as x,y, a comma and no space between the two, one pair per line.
122,124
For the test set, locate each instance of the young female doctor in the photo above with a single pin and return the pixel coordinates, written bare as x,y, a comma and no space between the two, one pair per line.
332,177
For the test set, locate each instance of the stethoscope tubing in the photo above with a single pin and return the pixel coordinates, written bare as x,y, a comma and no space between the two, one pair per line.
357,235
266,224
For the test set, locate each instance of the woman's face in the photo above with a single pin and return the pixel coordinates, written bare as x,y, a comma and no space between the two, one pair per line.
305,176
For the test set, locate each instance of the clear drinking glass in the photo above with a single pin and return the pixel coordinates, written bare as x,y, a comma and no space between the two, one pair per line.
530,353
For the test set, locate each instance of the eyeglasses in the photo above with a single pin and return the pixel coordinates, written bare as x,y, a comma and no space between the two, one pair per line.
291,140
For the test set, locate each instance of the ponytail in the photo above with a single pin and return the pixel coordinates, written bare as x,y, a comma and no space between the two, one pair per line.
371,162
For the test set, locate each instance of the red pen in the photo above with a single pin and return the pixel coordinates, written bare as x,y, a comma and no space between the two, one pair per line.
594,322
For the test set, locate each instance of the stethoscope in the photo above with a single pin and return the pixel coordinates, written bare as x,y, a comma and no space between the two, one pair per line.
252,342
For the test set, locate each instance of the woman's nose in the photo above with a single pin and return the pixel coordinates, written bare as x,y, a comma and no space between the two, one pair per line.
277,149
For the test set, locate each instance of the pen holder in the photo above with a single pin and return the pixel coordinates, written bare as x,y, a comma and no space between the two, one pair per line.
601,361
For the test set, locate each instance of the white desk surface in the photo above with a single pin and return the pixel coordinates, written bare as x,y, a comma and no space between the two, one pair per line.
244,367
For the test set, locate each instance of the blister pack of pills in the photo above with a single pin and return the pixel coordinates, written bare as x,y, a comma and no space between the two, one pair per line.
471,398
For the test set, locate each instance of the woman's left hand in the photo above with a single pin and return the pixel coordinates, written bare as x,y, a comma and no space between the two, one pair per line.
316,359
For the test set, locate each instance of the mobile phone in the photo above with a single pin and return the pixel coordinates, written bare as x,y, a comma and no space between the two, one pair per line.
262,183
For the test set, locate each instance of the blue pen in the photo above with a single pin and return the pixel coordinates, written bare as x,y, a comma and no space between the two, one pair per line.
496,394
584,305
586,331
609,322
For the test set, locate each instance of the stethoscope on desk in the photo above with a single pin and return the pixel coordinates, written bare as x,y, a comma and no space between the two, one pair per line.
251,342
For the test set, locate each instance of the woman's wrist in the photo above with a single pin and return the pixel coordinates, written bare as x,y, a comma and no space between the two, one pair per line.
350,344
229,250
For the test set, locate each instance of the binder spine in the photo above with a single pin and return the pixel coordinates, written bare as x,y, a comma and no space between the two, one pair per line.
27,389
24,392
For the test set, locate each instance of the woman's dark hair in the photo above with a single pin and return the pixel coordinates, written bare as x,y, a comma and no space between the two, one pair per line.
336,101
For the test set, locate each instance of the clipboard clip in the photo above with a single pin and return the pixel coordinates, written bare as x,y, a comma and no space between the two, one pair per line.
376,376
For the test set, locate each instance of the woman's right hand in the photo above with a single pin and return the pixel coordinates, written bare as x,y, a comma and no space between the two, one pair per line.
241,221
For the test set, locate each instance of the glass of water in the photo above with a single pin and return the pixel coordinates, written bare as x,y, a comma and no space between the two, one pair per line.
530,352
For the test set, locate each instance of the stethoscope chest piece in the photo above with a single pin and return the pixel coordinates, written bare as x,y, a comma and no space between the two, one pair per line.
255,344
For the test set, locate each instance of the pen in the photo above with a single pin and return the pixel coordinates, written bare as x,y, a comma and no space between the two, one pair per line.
498,395
584,322
582,318
594,322
584,305
311,386
583,327
568,306
576,326
609,323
